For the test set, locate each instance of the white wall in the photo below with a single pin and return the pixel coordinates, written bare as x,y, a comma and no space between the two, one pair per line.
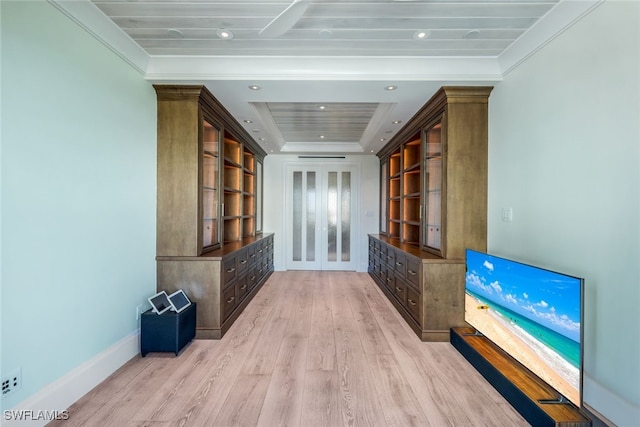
564,153
78,196
274,203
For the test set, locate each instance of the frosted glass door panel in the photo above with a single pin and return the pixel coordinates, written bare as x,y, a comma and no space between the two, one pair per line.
321,212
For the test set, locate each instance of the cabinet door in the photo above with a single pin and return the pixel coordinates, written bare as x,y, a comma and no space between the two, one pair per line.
432,167
384,185
210,190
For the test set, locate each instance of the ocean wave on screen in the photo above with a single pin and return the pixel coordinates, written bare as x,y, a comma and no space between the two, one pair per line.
551,358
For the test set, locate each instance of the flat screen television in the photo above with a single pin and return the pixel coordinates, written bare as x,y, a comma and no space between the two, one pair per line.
534,314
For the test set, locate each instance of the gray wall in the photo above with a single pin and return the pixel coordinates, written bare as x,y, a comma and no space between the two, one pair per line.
78,195
564,154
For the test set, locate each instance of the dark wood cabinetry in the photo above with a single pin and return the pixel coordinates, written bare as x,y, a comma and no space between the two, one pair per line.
419,284
209,215
222,282
433,206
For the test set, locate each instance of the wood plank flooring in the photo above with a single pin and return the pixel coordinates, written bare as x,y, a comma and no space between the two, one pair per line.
312,349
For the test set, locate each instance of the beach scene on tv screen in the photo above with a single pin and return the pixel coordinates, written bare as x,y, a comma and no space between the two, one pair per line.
531,313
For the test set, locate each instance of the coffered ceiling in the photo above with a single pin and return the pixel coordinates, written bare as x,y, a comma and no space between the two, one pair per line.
322,76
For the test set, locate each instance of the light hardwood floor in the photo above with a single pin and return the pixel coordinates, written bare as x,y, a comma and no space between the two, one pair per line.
312,349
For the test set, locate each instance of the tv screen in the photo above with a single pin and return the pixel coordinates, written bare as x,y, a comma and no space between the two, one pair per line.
533,314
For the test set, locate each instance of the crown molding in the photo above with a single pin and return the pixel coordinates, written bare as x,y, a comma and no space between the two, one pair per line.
561,17
199,68
306,147
87,15
163,68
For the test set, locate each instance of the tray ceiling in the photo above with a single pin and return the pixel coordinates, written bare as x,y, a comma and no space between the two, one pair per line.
340,54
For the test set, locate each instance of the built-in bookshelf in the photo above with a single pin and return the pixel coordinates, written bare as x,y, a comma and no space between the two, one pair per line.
433,198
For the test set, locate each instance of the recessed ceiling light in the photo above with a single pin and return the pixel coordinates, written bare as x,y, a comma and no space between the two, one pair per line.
254,87
421,34
473,34
391,87
224,34
321,136
395,122
174,33
322,107
383,139
248,121
260,139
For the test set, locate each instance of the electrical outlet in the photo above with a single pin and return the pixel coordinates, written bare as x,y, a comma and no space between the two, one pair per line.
11,382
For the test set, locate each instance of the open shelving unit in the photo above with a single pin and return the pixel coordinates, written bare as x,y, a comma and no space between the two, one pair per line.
233,185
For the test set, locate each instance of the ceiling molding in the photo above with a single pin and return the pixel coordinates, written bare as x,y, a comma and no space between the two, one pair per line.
193,68
93,21
555,22
322,68
377,121
269,125
305,147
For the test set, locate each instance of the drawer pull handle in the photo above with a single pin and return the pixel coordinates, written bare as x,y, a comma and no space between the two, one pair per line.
230,300
412,302
244,261
231,270
243,287
253,255
411,272
398,290
398,263
388,279
252,278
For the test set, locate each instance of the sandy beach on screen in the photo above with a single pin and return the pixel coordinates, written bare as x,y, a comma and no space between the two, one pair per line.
497,331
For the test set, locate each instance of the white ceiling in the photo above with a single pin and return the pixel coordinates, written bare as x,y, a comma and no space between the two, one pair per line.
323,83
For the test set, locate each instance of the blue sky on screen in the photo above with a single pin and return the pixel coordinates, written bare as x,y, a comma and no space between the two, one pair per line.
549,298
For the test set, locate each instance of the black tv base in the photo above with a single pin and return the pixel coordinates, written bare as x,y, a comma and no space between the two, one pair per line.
534,399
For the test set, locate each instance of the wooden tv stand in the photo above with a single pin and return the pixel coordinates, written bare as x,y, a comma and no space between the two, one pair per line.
521,387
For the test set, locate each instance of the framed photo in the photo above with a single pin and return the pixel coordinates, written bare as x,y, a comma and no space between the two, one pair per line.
179,301
160,302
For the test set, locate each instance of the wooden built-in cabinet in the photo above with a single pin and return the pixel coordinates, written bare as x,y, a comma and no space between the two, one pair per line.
433,199
209,207
222,282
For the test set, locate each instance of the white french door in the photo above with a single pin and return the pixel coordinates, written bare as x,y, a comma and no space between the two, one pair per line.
320,207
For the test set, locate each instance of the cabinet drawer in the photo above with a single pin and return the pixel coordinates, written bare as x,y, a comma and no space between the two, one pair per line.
413,303
242,286
229,301
400,264
242,260
413,272
389,279
251,254
252,278
400,291
229,268
390,257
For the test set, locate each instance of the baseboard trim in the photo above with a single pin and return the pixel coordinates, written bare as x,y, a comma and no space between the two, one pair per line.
66,390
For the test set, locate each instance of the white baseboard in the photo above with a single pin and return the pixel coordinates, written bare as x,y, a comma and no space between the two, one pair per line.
66,390
610,405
